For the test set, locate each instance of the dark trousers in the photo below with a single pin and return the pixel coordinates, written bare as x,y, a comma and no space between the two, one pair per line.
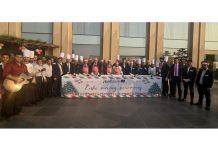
189,85
57,87
13,102
171,87
49,85
40,88
30,95
165,86
176,81
204,91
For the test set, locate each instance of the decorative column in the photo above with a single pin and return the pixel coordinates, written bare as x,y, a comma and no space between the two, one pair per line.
115,39
195,43
62,36
151,41
14,29
106,41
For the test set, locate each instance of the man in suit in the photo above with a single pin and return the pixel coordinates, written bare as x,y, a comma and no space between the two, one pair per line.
57,72
204,82
165,75
131,69
175,78
67,66
140,70
188,77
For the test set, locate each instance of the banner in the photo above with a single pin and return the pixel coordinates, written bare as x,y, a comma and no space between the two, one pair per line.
109,86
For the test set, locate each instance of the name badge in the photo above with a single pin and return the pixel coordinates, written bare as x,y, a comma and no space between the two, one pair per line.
206,75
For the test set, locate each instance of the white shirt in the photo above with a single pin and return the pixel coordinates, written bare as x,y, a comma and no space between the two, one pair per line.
152,71
30,68
176,70
48,71
188,69
202,75
60,66
37,69
68,66
2,65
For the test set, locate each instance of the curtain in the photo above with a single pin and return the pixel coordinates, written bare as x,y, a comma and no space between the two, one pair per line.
176,35
37,31
87,28
211,36
133,29
87,38
132,38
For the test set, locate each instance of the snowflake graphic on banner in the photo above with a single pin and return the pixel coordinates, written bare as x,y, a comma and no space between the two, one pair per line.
154,89
69,88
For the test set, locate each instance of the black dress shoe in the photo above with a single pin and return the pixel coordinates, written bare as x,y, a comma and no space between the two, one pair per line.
183,99
191,103
199,104
207,108
179,99
172,95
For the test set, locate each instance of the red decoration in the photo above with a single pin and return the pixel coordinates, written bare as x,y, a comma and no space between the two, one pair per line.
39,51
1,45
22,48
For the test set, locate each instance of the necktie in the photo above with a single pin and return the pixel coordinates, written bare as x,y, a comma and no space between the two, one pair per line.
176,70
68,67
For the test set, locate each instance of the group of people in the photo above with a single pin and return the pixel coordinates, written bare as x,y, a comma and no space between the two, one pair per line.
180,72
46,76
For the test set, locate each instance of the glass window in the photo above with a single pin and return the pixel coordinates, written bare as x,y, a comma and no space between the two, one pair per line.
211,36
132,39
176,35
87,39
37,31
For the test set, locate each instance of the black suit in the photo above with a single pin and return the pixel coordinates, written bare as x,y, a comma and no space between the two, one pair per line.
1,72
191,75
131,70
165,75
56,74
204,88
76,68
67,69
140,71
175,80
125,69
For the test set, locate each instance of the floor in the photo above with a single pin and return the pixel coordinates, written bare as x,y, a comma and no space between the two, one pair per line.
161,112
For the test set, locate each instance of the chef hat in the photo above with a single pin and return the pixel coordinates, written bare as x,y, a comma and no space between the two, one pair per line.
118,57
96,58
73,56
62,54
81,58
144,60
139,61
26,53
152,62
68,56
76,57
31,54
166,58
